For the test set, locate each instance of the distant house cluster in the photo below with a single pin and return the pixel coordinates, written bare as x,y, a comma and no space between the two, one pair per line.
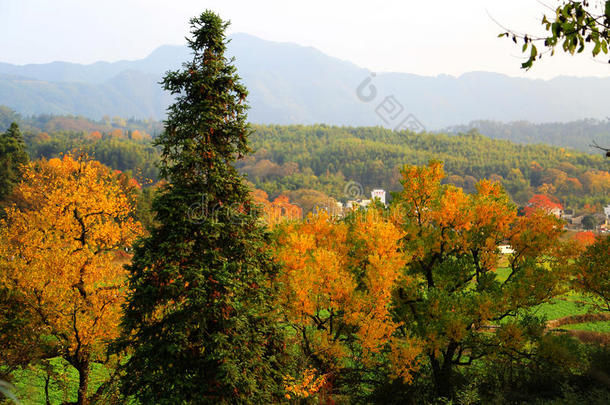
589,218
376,194
594,221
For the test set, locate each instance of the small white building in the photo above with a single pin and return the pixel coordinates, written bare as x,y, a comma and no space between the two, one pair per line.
378,193
607,211
353,204
506,249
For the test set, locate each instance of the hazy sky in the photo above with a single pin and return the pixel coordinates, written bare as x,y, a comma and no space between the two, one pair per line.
423,37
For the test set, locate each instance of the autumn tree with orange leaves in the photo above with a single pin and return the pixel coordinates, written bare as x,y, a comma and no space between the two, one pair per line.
62,250
585,238
337,285
276,211
458,298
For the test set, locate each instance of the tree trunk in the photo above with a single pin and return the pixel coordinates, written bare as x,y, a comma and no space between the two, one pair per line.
83,381
46,389
442,372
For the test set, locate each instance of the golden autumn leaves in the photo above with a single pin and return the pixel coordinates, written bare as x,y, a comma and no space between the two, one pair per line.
62,246
337,284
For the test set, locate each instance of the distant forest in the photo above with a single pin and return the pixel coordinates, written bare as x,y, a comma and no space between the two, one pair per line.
313,163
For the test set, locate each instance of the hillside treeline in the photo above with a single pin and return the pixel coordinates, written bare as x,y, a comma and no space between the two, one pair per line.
323,159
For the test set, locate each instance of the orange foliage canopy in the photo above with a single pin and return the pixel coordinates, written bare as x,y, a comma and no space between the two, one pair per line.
62,247
592,273
338,279
542,202
585,238
95,135
277,211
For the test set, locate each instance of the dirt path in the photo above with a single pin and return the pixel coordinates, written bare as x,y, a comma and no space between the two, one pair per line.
582,335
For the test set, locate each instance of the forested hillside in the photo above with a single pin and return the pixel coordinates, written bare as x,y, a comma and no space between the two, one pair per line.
315,162
214,258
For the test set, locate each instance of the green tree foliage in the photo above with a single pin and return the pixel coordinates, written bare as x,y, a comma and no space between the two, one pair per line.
13,156
18,320
125,154
574,25
8,116
589,222
325,158
198,317
328,157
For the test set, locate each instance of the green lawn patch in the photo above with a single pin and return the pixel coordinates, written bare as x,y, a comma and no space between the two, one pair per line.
30,382
603,327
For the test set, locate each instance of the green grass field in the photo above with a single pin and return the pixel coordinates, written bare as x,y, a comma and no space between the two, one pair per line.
30,383
603,326
568,304
561,307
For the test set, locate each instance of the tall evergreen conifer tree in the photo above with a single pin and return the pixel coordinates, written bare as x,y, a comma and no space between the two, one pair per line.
199,317
13,156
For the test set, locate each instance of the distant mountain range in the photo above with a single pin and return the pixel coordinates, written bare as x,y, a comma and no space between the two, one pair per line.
292,84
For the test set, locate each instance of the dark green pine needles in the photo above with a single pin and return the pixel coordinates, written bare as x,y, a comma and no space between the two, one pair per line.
199,322
13,156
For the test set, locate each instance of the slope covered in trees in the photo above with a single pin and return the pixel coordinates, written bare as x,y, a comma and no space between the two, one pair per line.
312,163
326,158
413,302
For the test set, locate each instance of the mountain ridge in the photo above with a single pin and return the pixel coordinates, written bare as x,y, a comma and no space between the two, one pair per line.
293,84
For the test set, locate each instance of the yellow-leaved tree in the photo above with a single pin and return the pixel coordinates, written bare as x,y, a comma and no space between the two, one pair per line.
62,249
337,284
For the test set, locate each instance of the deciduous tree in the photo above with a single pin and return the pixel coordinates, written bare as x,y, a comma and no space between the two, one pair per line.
574,25
278,210
593,272
337,285
62,256
453,238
